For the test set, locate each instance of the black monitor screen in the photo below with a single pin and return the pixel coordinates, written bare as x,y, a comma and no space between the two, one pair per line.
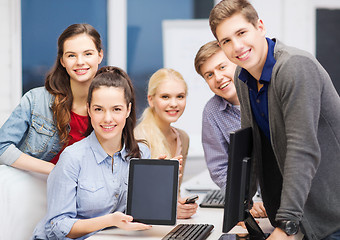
239,153
237,198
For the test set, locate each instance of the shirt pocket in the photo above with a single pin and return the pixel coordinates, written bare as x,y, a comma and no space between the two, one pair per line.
90,195
39,137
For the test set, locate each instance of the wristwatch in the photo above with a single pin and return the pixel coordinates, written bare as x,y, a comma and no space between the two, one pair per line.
289,227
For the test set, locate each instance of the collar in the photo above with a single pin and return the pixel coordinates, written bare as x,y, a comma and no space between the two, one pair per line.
270,62
267,70
51,100
224,103
98,151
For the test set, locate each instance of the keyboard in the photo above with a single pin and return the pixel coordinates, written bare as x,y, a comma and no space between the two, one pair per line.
213,199
190,231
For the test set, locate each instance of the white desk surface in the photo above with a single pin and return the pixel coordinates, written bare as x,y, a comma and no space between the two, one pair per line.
204,215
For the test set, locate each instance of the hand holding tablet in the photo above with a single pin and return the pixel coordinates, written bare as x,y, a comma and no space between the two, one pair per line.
124,221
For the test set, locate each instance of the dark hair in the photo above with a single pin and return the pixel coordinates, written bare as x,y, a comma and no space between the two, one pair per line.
57,81
227,8
115,77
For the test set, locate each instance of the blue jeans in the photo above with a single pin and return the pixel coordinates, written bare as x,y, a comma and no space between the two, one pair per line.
333,236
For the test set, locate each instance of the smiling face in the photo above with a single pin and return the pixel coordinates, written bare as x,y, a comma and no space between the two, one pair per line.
218,71
81,58
243,43
108,112
169,100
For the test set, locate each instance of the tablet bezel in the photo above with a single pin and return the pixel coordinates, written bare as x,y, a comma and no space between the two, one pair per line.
175,164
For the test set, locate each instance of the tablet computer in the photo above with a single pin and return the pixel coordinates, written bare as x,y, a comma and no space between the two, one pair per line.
152,191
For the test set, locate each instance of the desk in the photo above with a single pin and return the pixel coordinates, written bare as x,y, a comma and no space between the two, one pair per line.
204,215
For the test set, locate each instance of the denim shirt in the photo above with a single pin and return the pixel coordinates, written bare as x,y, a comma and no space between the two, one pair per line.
30,129
84,184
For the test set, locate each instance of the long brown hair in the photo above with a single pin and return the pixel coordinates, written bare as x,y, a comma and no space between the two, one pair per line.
115,77
57,81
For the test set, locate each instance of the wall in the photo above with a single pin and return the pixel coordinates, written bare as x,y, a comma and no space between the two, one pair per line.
291,21
181,41
10,61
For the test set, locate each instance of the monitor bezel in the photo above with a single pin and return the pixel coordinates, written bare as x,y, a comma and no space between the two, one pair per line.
164,162
240,148
237,197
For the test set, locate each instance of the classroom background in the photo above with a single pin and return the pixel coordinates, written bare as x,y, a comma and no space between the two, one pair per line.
143,36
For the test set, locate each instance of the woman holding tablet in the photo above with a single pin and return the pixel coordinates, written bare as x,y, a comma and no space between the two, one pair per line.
167,93
52,117
87,188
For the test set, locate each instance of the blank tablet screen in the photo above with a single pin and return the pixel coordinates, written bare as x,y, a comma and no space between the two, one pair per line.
152,191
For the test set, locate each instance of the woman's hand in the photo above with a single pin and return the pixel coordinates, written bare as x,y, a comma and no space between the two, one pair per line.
124,222
185,210
163,156
258,210
179,158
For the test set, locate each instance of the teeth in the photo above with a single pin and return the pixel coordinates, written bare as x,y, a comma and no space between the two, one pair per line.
173,111
81,70
108,127
243,55
224,85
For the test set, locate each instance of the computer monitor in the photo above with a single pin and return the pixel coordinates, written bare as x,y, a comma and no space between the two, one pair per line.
237,199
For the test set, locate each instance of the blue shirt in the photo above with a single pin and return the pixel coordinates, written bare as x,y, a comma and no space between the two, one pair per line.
259,99
84,184
219,119
30,129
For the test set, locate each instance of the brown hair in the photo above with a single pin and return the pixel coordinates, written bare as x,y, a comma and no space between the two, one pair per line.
115,77
57,81
227,8
206,51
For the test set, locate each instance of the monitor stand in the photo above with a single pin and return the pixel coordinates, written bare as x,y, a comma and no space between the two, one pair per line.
254,230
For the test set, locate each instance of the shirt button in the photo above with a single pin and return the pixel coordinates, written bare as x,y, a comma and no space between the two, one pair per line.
262,114
258,100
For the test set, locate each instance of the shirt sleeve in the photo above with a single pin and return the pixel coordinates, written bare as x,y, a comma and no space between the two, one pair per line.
145,151
301,104
215,147
61,197
14,130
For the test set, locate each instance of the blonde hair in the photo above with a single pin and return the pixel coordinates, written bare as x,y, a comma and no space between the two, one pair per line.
227,8
204,53
147,129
